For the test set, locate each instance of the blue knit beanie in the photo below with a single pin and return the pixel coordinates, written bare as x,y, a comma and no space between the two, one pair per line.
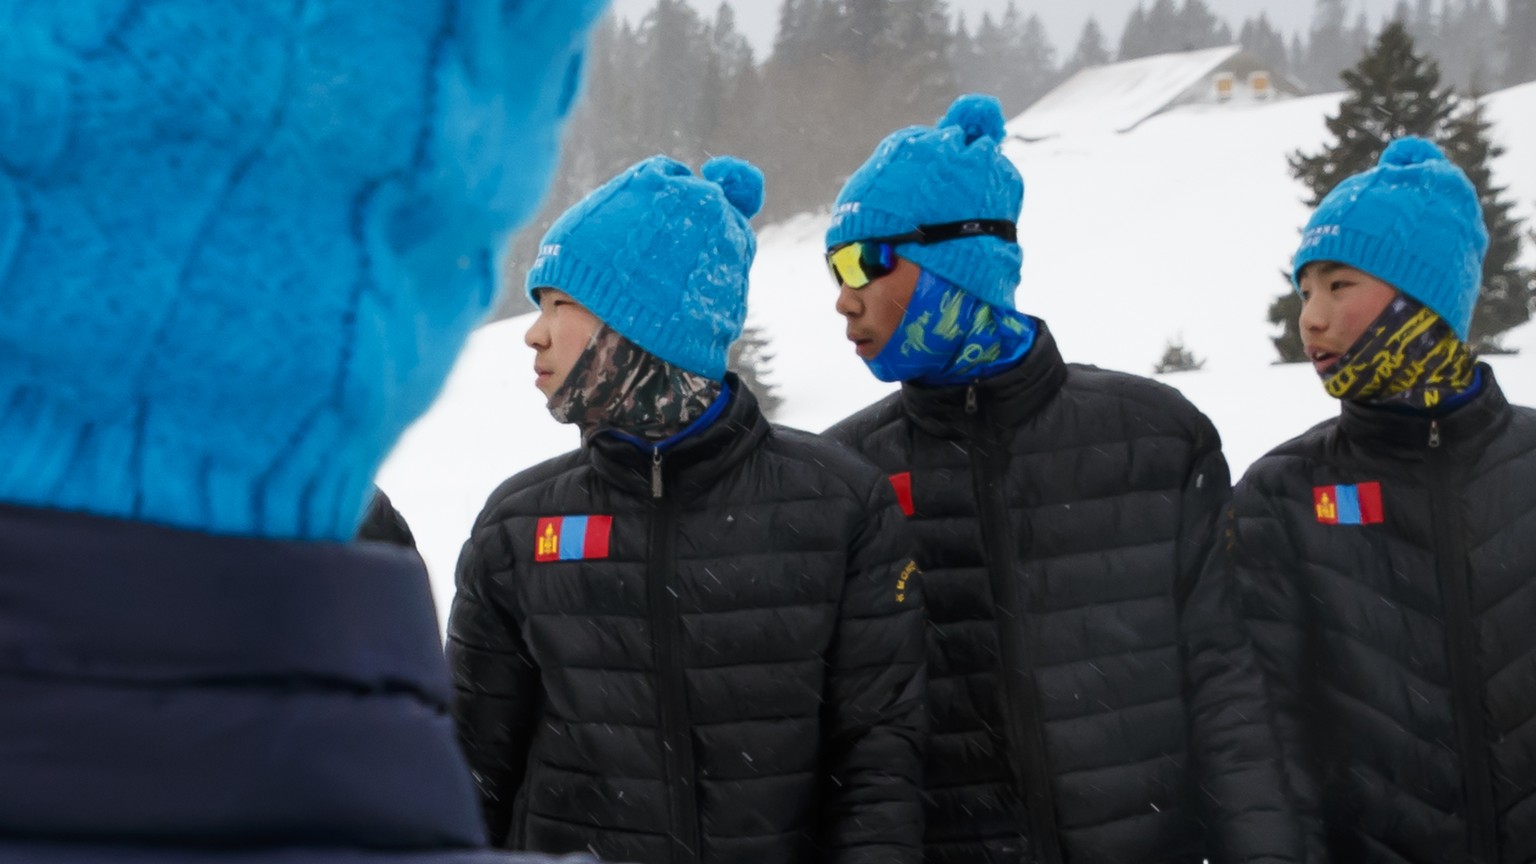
242,243
1413,222
949,173
662,257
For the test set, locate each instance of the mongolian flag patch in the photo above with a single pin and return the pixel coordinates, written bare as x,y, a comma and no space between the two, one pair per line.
902,483
572,538
1357,504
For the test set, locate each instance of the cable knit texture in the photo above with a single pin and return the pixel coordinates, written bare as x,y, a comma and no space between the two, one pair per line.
232,273
1414,222
950,172
662,257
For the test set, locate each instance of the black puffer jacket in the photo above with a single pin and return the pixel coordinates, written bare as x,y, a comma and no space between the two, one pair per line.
1403,646
173,697
384,524
739,679
1062,515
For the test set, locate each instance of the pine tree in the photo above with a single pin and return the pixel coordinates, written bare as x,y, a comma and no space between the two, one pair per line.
1163,28
1090,51
1328,51
1395,91
1508,290
1262,40
1034,58
1520,42
1133,37
1470,49
1200,28
750,358
1177,358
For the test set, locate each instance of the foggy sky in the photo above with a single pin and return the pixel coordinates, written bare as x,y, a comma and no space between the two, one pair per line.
1063,20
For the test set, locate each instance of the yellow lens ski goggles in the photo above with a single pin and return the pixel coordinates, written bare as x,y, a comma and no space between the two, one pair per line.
860,262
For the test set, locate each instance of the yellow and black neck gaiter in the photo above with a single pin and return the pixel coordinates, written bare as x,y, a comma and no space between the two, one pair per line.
1409,357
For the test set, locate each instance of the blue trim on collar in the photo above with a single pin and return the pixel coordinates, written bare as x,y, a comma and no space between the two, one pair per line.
710,415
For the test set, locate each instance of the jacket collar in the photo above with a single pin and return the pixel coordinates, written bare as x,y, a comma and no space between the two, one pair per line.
1405,434
1002,401
131,601
690,464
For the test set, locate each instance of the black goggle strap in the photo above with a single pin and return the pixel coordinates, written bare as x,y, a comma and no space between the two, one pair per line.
874,250
940,232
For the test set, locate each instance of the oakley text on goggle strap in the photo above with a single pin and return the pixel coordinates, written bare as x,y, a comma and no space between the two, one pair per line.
860,262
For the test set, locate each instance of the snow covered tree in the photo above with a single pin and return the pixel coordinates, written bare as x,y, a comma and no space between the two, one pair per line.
1011,58
1508,290
1200,28
1133,36
750,358
1328,48
1177,358
1168,27
1471,46
1520,40
1262,40
1396,91
1090,51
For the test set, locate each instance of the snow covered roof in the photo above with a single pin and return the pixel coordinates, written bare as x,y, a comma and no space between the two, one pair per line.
1116,97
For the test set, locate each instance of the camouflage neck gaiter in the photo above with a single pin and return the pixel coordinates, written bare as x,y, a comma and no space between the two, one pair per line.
1409,357
616,384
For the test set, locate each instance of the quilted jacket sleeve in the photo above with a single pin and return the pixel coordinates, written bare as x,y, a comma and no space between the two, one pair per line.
876,690
496,684
1248,812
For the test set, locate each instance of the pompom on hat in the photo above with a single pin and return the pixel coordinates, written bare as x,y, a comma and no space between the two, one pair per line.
661,256
1414,222
950,172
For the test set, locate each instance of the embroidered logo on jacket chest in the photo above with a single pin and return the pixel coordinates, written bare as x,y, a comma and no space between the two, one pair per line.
572,538
1354,504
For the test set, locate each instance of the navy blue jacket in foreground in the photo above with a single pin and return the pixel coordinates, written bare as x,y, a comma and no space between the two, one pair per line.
172,696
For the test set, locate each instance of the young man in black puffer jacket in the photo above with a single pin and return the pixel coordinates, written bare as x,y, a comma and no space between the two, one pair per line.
699,637
1385,557
1093,699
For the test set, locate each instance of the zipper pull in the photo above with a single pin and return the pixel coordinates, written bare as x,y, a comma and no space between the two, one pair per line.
656,473
1434,433
970,399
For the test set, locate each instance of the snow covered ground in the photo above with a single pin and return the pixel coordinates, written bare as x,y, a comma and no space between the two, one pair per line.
1180,228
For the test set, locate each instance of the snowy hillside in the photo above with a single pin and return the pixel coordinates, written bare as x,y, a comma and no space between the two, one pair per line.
1180,228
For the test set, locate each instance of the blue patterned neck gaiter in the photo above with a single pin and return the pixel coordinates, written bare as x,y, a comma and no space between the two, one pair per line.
949,337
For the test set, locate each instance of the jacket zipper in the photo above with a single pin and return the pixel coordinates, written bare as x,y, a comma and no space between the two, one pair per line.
656,487
1466,675
1023,733
666,630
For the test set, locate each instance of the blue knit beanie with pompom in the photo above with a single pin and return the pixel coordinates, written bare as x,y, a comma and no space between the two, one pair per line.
241,244
661,256
951,172
1414,222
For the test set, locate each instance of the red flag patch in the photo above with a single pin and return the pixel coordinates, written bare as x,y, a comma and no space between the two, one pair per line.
902,483
572,538
1351,504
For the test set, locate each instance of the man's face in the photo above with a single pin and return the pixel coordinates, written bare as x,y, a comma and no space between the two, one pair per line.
557,337
1338,304
875,311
